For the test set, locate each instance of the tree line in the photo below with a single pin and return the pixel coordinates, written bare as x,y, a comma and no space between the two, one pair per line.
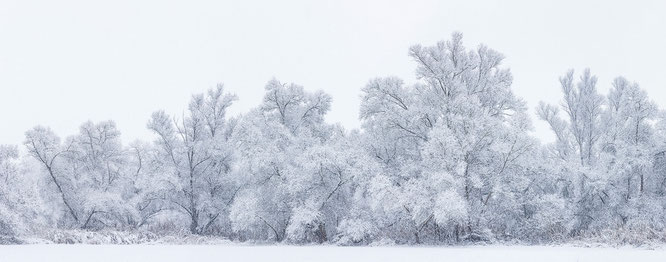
446,159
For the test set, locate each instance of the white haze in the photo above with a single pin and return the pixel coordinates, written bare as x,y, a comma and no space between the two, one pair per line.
65,62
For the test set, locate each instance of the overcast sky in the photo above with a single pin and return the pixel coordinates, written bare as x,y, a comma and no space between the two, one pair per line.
66,62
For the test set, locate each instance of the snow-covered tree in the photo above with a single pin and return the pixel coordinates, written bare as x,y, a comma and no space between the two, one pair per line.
22,210
583,105
449,143
45,146
629,148
196,157
607,145
275,172
578,141
90,173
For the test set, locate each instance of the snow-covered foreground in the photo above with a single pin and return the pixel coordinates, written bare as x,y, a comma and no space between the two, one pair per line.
99,253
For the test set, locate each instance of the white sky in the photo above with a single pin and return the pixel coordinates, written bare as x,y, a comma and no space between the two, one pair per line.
65,62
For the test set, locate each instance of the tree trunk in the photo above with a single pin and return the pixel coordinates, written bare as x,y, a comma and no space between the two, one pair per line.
628,187
321,233
457,233
194,222
62,194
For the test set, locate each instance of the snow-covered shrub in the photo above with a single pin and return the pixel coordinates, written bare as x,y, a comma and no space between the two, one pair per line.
355,231
304,223
99,237
551,221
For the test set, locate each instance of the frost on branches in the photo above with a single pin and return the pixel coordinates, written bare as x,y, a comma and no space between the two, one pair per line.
446,159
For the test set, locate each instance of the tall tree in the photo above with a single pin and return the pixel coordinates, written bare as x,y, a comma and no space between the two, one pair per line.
45,147
440,139
277,145
196,152
583,106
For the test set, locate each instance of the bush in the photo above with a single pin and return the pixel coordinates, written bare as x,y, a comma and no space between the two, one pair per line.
101,237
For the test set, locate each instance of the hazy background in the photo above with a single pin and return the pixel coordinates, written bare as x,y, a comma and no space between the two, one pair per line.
65,62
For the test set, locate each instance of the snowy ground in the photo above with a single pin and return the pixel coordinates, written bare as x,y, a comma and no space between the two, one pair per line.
76,253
